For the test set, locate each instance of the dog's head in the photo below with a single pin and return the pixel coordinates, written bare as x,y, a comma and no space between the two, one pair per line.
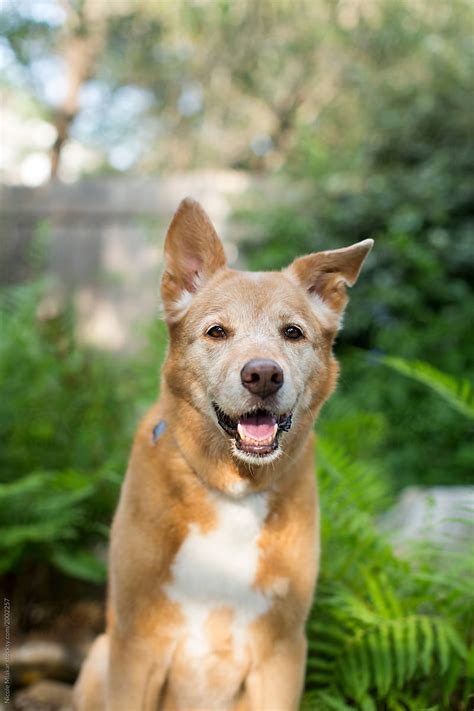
252,352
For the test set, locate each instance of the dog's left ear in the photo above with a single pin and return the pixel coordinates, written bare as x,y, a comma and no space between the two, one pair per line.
325,275
193,252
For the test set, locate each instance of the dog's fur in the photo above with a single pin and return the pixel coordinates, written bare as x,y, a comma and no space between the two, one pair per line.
214,549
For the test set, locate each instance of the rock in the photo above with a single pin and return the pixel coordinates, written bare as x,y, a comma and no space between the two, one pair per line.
439,514
44,696
37,659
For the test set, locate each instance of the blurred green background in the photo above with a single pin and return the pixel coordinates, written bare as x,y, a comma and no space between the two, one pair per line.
351,119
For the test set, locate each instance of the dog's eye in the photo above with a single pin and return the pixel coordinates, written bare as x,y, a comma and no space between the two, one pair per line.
216,332
293,333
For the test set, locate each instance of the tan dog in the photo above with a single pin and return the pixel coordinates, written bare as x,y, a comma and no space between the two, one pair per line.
215,547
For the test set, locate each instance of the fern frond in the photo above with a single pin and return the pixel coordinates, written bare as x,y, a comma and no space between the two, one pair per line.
26,486
459,394
333,701
354,681
381,596
411,645
382,656
401,666
347,479
367,704
427,647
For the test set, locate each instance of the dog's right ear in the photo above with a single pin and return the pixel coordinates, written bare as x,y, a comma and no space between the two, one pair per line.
193,252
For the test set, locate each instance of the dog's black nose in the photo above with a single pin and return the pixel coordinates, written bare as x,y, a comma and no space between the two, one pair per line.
262,377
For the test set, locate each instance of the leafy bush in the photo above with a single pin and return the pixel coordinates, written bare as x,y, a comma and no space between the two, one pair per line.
67,415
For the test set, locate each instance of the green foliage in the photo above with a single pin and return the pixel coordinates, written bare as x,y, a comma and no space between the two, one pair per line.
55,527
67,415
386,632
459,394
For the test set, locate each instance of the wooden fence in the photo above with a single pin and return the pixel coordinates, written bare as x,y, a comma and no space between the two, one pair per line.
101,241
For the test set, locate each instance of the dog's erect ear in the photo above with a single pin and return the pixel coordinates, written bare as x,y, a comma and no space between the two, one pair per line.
193,252
326,275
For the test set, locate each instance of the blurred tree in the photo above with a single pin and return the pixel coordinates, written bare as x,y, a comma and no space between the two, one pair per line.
211,100
61,48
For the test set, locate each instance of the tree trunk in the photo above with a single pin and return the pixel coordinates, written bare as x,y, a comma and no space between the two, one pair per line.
84,40
80,60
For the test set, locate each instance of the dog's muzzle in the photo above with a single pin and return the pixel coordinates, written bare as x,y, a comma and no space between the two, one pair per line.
255,432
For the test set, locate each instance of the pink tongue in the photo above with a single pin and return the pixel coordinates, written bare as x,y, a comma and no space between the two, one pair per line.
258,426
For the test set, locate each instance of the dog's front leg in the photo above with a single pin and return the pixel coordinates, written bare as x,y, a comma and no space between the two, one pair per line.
276,681
137,673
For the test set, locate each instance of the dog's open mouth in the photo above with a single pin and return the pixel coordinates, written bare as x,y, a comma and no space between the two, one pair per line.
255,432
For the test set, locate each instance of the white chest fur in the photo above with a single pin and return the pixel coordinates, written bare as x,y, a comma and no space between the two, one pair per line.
218,569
